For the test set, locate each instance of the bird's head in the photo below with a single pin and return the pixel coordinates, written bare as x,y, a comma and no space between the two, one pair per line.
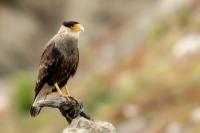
72,28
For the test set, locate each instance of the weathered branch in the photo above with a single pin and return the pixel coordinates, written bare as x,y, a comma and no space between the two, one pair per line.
74,112
70,108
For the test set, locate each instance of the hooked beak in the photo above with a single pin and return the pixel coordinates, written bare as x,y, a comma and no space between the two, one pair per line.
81,28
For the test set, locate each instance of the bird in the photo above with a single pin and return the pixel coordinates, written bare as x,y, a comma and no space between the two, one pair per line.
59,62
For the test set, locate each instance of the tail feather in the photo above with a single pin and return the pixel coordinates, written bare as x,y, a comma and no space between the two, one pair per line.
35,109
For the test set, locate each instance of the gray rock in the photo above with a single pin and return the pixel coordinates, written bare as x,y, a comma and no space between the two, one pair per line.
82,125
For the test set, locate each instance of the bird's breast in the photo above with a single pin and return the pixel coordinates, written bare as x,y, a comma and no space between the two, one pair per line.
69,49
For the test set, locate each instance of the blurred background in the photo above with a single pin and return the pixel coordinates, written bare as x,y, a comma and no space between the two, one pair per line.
139,63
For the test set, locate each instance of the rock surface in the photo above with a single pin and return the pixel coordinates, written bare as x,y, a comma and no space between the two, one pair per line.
82,125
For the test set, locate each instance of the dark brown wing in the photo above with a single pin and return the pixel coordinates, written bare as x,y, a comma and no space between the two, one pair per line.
49,63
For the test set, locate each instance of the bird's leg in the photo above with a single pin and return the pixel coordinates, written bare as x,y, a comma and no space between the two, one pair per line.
59,90
67,90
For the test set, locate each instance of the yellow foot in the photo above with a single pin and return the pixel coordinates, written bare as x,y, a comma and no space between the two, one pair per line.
61,93
58,89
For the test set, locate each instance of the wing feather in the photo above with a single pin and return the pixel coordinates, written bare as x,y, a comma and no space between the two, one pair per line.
48,65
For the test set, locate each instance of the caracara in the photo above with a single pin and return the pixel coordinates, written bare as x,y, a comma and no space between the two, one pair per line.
58,63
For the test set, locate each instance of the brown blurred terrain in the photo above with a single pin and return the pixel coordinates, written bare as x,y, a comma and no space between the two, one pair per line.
139,63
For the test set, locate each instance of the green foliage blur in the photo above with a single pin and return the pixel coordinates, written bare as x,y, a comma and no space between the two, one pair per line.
23,95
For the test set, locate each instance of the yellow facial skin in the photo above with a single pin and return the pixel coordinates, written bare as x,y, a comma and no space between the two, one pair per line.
77,27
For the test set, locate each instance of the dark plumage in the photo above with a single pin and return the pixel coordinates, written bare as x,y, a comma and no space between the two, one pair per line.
58,63
69,23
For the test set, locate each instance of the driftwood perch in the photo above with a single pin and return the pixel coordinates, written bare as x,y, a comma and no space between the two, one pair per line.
70,108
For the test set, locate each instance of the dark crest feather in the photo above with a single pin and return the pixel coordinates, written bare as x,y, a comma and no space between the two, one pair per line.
69,23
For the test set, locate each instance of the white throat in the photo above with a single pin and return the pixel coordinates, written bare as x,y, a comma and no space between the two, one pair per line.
68,32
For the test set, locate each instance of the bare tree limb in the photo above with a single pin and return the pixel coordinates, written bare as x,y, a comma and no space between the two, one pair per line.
70,108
